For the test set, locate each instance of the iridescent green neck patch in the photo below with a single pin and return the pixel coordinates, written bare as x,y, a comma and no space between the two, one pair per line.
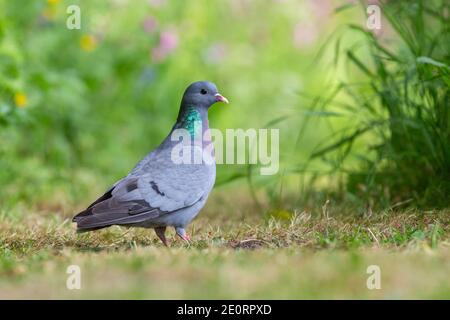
191,120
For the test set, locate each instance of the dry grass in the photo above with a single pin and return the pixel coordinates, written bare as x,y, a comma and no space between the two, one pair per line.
302,257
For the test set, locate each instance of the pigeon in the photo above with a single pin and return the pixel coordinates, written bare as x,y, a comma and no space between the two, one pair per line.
160,191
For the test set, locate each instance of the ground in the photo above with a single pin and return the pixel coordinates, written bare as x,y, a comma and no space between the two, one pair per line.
304,256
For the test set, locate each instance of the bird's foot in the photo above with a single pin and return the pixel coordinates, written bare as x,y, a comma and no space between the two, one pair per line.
186,238
183,235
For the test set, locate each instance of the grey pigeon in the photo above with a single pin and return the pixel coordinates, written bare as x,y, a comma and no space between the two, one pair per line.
160,192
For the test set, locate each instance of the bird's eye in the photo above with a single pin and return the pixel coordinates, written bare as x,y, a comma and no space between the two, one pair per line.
203,91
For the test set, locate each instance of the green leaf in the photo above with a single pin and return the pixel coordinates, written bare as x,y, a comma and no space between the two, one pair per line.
428,60
344,7
359,64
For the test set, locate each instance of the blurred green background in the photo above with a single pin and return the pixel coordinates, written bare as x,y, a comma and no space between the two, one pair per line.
78,108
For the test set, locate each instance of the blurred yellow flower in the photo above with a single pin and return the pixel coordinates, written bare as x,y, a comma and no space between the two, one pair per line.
88,42
53,2
20,99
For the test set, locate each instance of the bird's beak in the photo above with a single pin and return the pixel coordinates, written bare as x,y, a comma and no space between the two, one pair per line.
220,97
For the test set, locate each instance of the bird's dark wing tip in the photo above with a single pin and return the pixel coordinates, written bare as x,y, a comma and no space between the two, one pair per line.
88,211
82,214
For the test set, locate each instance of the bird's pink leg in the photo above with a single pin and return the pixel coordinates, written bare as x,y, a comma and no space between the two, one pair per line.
183,235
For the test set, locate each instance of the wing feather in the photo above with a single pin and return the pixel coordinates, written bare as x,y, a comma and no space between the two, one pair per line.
158,187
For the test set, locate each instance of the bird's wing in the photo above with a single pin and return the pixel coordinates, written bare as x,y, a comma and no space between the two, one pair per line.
122,204
162,189
170,186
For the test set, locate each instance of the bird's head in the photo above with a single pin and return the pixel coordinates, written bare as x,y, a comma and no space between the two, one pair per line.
202,94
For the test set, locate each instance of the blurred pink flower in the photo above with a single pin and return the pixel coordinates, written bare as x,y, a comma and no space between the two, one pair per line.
215,53
156,3
304,34
150,24
322,9
168,42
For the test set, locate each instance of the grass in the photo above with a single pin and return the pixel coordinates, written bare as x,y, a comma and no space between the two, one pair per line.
307,256
399,106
